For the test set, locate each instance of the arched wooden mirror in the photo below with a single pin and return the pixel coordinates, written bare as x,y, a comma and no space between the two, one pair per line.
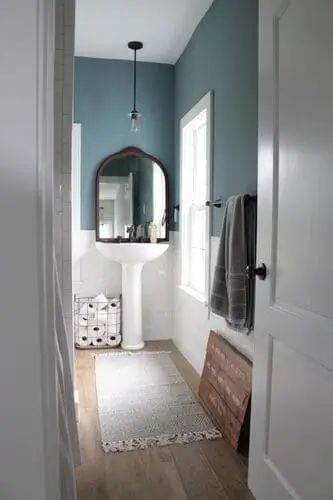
132,197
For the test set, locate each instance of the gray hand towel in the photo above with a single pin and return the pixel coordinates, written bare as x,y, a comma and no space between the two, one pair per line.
229,291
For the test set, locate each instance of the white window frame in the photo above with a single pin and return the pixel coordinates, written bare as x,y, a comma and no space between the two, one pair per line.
159,199
204,104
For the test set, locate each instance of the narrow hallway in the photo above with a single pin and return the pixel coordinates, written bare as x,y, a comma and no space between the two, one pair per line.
207,469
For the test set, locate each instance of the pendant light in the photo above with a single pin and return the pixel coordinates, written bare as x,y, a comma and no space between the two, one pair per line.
134,114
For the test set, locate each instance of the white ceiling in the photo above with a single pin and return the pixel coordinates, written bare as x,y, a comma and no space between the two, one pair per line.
104,27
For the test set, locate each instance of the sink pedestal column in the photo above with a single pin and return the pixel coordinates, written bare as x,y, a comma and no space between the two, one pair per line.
132,257
132,306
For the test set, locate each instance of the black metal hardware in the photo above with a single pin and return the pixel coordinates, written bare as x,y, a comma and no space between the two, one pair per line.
214,203
134,46
260,272
131,230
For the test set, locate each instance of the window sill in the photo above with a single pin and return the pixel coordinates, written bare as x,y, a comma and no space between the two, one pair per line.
196,295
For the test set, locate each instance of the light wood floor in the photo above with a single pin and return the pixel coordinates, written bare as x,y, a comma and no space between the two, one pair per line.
204,470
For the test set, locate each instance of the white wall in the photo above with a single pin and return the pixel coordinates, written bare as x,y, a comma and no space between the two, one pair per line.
27,448
191,325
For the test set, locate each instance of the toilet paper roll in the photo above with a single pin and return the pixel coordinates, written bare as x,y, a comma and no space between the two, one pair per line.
95,332
100,302
87,311
82,339
84,320
113,340
114,303
101,318
99,341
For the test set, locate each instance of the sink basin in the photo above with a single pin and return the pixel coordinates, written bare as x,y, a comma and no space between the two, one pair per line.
132,257
135,253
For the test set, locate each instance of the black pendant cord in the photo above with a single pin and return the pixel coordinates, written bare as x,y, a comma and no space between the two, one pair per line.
134,109
135,46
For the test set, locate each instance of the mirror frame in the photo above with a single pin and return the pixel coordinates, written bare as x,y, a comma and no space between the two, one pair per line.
130,151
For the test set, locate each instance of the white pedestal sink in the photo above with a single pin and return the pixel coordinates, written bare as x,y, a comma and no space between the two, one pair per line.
132,257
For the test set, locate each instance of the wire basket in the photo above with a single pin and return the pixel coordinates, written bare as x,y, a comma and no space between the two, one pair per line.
97,322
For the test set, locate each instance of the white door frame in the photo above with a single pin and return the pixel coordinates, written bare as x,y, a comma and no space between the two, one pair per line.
76,192
45,236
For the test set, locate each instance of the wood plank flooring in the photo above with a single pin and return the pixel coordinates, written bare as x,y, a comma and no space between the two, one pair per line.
204,470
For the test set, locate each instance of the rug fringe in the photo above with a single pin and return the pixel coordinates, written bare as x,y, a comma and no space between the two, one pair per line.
163,440
130,353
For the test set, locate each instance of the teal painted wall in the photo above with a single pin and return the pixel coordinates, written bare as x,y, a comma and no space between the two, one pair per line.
222,56
103,97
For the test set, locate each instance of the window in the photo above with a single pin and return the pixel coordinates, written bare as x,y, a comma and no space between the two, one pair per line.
195,190
159,199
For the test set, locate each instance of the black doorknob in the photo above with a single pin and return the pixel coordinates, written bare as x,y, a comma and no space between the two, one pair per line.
260,271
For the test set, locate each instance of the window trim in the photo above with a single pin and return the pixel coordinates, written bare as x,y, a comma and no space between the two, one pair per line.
206,103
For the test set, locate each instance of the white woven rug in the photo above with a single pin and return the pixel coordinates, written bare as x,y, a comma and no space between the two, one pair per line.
143,401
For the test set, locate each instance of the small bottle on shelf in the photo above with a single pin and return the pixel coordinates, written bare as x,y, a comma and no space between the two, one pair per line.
153,232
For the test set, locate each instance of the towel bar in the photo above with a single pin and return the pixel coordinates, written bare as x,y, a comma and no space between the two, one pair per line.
215,203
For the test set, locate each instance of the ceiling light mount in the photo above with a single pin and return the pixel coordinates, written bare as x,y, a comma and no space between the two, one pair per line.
135,45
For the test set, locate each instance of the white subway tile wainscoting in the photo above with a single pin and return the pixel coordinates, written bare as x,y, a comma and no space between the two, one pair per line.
169,312
191,325
63,104
93,274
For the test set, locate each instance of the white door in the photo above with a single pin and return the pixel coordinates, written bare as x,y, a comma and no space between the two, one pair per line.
291,453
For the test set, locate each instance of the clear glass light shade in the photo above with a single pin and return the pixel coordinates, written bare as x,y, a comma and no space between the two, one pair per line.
135,121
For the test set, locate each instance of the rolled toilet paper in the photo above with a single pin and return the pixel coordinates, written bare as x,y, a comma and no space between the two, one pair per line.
96,331
83,339
101,318
84,320
88,309
114,303
99,341
100,302
87,313
113,340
